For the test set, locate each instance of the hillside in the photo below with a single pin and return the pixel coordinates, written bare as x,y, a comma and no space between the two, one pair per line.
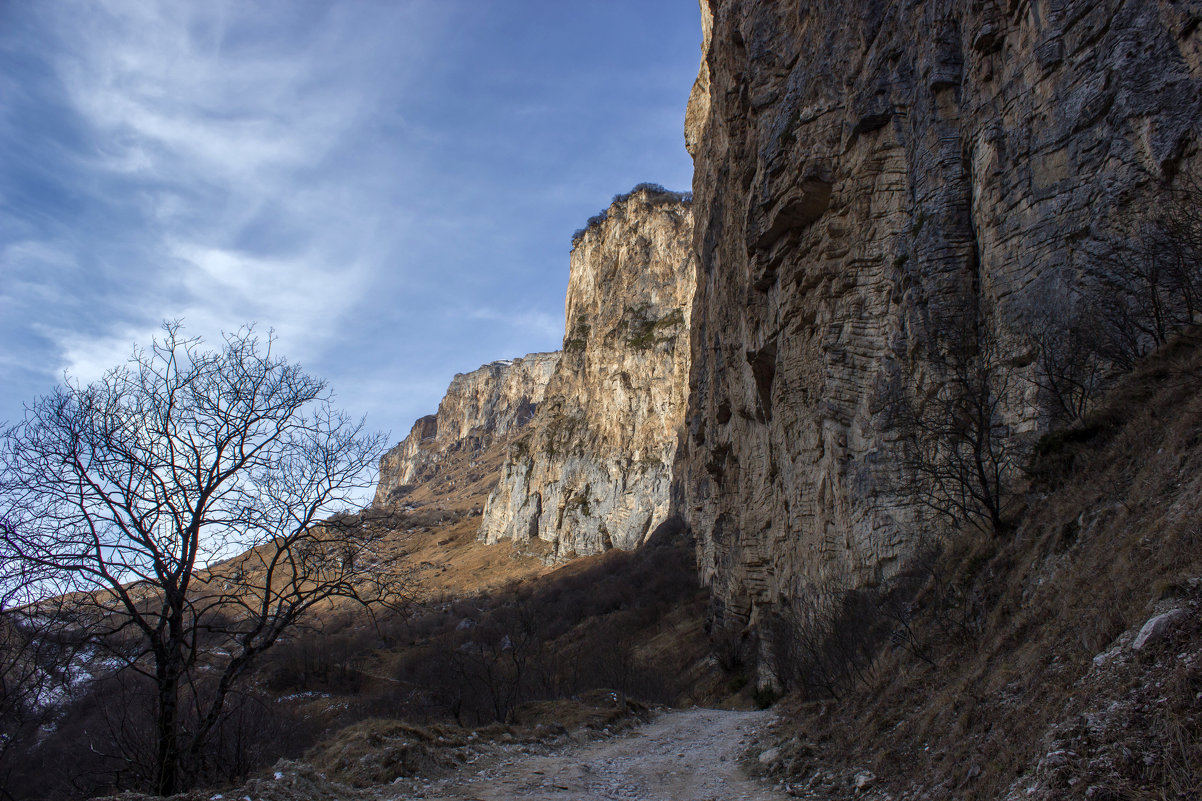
1062,660
500,639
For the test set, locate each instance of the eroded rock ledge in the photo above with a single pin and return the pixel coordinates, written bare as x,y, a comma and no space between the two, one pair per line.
593,469
480,408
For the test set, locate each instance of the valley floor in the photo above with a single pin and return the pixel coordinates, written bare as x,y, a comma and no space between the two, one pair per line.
684,755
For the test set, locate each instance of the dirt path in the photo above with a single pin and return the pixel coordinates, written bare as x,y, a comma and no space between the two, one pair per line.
689,755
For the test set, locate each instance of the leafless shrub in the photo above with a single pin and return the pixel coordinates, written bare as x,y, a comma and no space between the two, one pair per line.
1148,280
493,664
1070,368
954,439
824,642
729,644
326,660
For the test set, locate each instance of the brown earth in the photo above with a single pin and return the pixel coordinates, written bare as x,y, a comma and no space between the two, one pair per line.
1015,671
683,755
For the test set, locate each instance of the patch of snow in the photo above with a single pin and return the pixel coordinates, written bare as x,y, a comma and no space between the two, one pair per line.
302,695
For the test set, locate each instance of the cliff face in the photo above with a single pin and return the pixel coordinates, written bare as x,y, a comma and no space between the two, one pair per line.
868,177
480,408
594,469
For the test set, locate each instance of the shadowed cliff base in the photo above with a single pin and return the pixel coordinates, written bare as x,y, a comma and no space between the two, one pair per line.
1062,660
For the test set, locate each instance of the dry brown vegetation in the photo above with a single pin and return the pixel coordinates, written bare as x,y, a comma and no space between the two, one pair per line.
1010,669
631,622
538,645
992,667
352,762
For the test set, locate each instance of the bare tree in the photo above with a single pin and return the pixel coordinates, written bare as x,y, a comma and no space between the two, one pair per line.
1148,281
1136,302
180,504
824,641
954,439
494,664
1070,370
1144,287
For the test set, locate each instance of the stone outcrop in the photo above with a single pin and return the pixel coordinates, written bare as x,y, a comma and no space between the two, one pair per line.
480,408
869,176
594,468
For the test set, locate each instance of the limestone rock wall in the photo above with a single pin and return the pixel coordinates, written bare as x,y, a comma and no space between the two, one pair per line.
865,172
480,407
594,469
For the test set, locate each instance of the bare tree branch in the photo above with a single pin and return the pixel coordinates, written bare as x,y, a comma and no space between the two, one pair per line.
181,504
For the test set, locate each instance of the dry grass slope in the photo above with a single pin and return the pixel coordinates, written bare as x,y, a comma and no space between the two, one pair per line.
1031,687
390,690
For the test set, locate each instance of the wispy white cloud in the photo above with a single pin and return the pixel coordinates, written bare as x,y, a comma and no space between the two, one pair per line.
303,299
168,92
299,301
229,133
85,358
390,186
530,321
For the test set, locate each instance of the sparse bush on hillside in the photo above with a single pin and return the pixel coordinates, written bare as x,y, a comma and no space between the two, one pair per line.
580,630
1007,666
577,338
655,193
826,644
325,661
1149,280
733,647
954,438
645,331
823,643
1069,371
955,443
1144,285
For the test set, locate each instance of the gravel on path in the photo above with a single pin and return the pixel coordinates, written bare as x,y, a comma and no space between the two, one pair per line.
685,755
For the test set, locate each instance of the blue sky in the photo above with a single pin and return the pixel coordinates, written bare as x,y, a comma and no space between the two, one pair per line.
391,186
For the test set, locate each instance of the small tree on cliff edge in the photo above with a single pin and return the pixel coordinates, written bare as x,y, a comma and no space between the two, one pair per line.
129,491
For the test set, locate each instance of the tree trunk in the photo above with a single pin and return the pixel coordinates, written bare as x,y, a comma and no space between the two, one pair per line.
166,774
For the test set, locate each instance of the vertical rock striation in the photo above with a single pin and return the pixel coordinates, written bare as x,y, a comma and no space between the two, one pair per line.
594,469
481,407
868,177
